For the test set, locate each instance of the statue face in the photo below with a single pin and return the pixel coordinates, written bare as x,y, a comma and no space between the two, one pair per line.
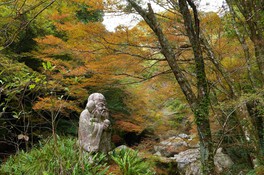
101,109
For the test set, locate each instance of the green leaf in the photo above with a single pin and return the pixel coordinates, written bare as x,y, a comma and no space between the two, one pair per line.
76,79
49,66
37,79
15,116
45,173
32,86
44,66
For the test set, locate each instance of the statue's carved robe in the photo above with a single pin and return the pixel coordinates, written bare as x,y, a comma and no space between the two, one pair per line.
92,136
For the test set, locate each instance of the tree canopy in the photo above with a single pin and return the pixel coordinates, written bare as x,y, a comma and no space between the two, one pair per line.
176,70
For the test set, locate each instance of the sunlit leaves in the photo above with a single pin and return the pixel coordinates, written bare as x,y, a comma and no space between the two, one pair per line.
17,16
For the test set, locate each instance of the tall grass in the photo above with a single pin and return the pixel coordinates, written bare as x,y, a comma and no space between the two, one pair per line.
64,158
130,163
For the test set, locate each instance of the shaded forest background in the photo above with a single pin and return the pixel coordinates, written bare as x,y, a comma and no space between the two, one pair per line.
55,53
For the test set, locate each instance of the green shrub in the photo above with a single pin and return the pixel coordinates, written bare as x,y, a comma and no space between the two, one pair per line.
130,163
259,170
65,158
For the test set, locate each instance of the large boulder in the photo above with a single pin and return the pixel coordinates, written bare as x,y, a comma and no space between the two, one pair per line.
175,145
222,161
184,150
189,163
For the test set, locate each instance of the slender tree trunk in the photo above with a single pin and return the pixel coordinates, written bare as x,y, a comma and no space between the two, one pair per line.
200,103
254,27
206,145
166,50
201,111
257,120
259,53
219,66
244,45
242,115
254,122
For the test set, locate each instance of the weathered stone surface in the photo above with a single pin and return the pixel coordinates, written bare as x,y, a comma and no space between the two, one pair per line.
188,162
187,155
122,147
222,161
184,136
173,145
94,125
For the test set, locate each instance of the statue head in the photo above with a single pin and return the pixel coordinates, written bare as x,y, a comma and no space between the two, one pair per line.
97,105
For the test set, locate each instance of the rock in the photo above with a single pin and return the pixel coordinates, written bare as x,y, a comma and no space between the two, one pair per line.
157,154
189,163
121,147
193,169
184,136
222,161
187,155
172,145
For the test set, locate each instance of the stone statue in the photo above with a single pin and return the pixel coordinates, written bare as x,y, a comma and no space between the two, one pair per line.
94,125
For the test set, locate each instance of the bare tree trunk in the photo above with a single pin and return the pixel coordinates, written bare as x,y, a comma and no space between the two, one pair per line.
259,53
219,66
241,114
244,45
257,120
255,28
201,111
200,103
254,121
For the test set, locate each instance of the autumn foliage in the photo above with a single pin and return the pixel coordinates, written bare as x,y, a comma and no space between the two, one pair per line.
55,53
